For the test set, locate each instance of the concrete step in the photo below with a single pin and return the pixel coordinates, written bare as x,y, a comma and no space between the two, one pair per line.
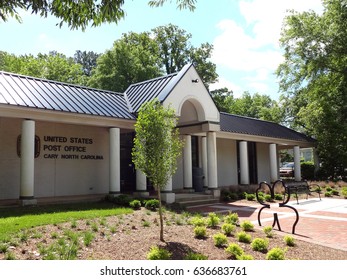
194,199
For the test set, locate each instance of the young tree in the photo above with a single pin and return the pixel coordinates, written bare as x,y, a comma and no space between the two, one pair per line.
156,147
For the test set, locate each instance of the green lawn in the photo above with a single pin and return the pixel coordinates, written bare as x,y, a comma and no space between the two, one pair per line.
12,220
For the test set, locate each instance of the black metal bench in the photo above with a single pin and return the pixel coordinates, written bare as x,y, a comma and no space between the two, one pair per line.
300,187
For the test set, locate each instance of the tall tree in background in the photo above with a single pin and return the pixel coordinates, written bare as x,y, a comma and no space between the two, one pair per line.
254,106
87,60
78,14
156,147
132,59
313,78
175,51
53,66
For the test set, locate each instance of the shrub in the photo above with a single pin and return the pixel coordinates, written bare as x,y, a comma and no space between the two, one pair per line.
157,253
268,198
328,194
232,218
335,192
122,199
195,256
220,240
200,232
197,221
275,254
278,196
234,250
152,204
135,204
244,237
247,226
228,229
344,192
289,240
260,244
250,196
268,231
245,257
212,220
307,170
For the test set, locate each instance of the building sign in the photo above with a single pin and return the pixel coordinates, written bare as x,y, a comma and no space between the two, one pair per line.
61,147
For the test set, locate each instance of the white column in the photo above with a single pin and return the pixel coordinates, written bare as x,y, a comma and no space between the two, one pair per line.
141,184
297,166
212,160
187,162
244,169
273,162
114,160
141,181
204,159
27,160
166,193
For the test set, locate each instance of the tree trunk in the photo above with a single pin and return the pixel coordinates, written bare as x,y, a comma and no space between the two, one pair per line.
160,217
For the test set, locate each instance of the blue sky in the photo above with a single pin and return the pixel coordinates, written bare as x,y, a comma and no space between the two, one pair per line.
244,34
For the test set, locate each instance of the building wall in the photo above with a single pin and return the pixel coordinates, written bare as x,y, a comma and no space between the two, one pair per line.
75,163
9,161
263,162
226,162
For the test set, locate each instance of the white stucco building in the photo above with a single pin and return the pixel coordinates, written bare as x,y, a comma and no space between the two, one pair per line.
59,140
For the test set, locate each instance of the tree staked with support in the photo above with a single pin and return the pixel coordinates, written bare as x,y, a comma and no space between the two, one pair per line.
156,147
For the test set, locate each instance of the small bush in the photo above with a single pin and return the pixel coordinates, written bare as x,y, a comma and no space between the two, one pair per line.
243,237
122,199
197,221
234,250
195,256
250,196
152,204
157,253
268,198
344,192
232,218
3,247
200,232
268,231
135,204
245,257
260,244
335,192
275,254
289,240
212,220
220,240
228,229
247,226
328,194
278,196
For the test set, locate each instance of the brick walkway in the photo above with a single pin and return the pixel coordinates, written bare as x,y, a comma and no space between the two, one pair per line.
322,222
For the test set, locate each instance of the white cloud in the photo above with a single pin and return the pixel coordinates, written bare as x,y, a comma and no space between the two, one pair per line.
222,83
251,47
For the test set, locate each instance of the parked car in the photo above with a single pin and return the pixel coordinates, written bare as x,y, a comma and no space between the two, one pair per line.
287,170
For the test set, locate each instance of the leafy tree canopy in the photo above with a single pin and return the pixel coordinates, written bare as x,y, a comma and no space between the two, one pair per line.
313,79
77,14
133,58
254,106
53,66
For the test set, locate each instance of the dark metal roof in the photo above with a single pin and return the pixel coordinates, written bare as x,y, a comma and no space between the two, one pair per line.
38,93
250,126
137,94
